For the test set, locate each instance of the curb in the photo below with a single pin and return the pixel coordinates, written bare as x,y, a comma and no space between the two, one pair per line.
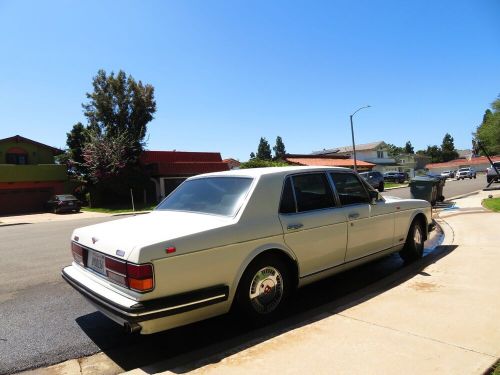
396,187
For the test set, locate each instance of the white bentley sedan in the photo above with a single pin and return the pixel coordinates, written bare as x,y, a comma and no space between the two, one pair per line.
244,239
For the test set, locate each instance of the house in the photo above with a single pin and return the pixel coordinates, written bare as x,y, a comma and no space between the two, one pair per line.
168,169
232,163
479,163
410,163
327,161
375,153
28,175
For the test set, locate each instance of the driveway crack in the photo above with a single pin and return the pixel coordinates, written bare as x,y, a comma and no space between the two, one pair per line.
419,336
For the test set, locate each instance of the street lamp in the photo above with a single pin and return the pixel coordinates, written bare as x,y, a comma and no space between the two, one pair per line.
352,134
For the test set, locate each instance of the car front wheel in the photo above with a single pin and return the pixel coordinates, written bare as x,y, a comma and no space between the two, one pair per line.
381,187
414,245
263,289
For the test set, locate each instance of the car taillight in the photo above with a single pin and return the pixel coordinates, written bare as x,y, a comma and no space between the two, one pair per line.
140,277
78,254
116,271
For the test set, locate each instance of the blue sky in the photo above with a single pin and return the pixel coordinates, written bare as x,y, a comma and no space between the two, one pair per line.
228,72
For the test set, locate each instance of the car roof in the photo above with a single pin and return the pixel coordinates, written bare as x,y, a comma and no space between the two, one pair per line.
257,172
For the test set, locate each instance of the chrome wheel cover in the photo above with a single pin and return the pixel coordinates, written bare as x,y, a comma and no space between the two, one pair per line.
266,290
417,237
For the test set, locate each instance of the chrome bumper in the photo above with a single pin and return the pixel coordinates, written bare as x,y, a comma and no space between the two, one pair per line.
153,309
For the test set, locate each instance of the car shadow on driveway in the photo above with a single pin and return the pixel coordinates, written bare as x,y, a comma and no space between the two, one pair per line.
190,347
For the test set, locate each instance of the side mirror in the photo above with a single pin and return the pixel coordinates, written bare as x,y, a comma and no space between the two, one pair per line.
373,196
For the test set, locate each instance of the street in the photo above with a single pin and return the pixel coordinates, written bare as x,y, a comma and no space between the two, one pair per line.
452,188
44,321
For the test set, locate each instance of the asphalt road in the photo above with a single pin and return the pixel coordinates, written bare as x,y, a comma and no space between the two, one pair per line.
452,188
44,321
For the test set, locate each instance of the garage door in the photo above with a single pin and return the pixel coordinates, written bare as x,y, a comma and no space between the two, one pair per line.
23,200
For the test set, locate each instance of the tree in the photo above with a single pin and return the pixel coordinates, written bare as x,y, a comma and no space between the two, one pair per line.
75,140
120,108
279,149
394,150
264,150
117,113
257,163
489,130
252,155
434,152
448,151
408,148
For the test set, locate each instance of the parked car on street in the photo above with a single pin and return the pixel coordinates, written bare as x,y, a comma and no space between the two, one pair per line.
395,176
244,239
467,172
491,175
448,174
375,179
63,203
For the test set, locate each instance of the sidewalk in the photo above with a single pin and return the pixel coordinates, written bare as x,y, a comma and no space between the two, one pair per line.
48,217
445,320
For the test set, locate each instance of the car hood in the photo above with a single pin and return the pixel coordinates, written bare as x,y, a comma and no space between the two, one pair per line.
120,237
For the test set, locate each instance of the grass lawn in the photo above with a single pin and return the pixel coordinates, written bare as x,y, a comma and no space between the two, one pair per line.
496,369
393,185
118,209
492,204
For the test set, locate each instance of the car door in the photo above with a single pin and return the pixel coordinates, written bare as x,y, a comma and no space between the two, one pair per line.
313,225
370,226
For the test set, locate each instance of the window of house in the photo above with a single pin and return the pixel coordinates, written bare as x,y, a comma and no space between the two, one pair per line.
312,192
350,189
380,154
16,158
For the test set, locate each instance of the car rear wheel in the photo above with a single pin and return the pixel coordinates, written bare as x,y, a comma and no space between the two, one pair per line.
263,289
381,187
414,245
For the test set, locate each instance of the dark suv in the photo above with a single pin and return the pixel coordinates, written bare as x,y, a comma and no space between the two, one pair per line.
375,179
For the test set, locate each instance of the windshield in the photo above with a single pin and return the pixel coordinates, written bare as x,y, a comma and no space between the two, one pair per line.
464,169
210,195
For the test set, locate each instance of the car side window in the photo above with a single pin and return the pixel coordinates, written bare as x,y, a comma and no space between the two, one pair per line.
312,192
350,189
287,204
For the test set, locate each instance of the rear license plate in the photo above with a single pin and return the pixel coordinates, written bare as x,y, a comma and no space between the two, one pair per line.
96,262
70,203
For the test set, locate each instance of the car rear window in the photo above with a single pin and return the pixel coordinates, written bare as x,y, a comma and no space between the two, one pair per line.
209,195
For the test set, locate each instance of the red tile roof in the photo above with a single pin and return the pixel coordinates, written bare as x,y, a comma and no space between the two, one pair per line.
182,163
458,162
325,162
179,156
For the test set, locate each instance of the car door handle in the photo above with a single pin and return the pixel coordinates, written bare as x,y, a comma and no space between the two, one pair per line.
294,226
354,215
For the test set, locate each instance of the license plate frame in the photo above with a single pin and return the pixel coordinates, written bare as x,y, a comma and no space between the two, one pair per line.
96,262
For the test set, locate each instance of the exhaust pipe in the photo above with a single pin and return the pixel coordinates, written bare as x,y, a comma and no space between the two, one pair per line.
132,327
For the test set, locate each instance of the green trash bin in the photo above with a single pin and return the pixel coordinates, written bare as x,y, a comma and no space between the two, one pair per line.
426,188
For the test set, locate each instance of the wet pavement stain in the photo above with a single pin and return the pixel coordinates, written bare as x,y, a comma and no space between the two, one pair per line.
424,286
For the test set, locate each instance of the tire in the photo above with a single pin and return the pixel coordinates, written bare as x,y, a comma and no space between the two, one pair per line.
489,179
268,280
414,245
381,187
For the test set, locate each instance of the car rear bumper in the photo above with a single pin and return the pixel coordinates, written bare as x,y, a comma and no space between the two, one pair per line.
122,309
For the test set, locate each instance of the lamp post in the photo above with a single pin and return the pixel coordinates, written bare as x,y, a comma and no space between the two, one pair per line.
352,134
